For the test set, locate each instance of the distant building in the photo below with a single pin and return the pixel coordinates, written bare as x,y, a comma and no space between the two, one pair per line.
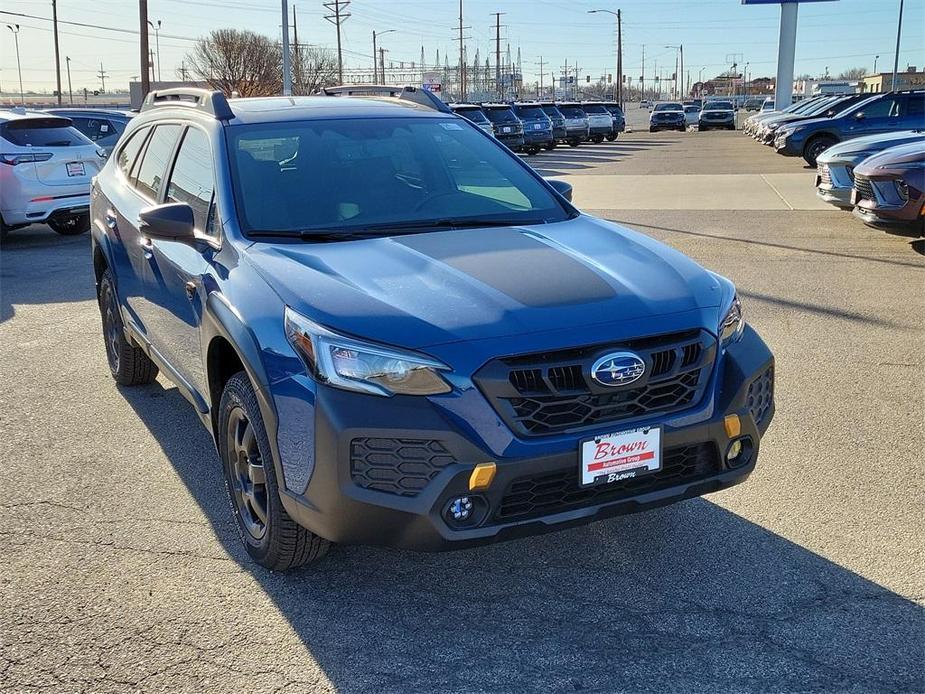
808,88
883,81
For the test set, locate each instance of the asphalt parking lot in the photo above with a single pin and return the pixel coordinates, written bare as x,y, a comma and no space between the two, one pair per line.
123,570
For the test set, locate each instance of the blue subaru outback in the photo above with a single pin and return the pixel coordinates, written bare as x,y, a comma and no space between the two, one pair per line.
398,333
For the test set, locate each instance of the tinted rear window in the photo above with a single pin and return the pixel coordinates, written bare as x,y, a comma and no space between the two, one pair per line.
552,112
43,132
473,114
595,108
500,115
668,107
530,112
572,112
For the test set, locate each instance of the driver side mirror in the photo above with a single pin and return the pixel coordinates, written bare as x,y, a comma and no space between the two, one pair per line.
562,188
171,222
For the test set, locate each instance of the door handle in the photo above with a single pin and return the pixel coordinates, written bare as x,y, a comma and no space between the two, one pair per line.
111,220
190,288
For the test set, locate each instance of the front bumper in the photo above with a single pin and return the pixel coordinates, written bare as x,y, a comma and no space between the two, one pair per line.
379,480
667,125
788,147
905,219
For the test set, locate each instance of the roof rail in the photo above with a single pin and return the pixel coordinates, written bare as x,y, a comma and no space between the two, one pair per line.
213,102
416,95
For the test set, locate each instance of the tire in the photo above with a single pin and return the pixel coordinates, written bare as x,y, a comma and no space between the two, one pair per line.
550,146
128,364
611,137
270,536
652,130
597,139
574,143
71,226
816,146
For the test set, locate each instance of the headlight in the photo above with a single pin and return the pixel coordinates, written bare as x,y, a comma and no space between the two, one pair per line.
345,362
733,324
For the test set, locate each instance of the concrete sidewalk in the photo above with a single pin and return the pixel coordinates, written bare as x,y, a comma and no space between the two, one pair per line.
773,191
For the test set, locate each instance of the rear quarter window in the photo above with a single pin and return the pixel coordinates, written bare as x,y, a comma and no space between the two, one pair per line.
129,151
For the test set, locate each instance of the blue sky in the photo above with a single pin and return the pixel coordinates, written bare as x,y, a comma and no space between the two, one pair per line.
837,35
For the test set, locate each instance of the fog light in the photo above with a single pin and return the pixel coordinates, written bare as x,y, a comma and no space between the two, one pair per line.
459,509
735,450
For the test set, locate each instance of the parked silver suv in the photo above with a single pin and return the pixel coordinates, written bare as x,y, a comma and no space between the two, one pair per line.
46,166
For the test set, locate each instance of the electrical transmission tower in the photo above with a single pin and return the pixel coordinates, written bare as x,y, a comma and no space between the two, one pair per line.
338,16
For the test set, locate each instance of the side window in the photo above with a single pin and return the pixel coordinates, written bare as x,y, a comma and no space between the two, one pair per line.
129,151
882,108
150,174
192,181
915,107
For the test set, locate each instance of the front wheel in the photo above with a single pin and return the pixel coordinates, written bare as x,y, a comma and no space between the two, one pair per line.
598,139
270,536
816,146
550,145
574,143
71,226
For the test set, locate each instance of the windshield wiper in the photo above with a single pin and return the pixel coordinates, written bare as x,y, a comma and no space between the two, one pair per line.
450,223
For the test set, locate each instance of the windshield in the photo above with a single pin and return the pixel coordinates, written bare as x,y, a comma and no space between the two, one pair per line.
473,114
719,106
530,112
668,107
572,112
500,115
350,175
595,108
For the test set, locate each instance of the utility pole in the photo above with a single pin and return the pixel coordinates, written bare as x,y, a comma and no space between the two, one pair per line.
375,61
287,59
642,75
143,47
297,68
70,93
566,75
899,31
22,95
102,75
462,57
54,19
620,58
681,75
541,63
382,63
184,73
576,79
157,46
498,85
338,17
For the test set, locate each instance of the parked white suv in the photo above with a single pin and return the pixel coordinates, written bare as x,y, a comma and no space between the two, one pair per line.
46,167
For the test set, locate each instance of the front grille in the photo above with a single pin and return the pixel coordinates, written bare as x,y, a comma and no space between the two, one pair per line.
540,495
825,176
761,396
397,466
553,392
864,187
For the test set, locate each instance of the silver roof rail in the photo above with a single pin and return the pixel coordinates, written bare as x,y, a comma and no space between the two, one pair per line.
416,95
213,102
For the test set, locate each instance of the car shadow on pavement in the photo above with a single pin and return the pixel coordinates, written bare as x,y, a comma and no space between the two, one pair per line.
62,259
689,597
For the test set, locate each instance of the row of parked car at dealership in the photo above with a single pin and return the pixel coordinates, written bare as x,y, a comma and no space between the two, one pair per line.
868,150
534,126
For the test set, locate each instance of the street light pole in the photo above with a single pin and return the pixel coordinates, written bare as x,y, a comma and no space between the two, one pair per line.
54,19
618,91
70,92
375,53
157,45
22,95
899,31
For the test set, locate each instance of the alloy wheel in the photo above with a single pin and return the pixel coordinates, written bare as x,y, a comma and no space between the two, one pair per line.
247,474
112,330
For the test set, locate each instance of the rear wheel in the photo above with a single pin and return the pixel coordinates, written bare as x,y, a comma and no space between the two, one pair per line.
128,364
71,226
269,534
611,137
574,143
598,139
550,145
816,147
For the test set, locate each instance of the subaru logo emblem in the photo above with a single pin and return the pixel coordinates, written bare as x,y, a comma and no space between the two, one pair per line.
618,369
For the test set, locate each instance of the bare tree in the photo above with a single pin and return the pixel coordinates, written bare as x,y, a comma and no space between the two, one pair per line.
854,73
238,60
313,67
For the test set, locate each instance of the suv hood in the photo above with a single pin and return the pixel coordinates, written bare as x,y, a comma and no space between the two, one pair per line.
893,158
419,290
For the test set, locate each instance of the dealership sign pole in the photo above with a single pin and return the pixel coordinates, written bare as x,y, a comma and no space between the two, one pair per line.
786,48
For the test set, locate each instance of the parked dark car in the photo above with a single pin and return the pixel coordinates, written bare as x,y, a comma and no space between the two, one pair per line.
754,104
398,333
619,119
557,118
827,108
835,167
669,116
878,114
889,189
102,126
474,114
537,127
717,115
576,123
508,128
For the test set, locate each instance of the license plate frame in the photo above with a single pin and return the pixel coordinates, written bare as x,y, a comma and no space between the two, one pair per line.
619,455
